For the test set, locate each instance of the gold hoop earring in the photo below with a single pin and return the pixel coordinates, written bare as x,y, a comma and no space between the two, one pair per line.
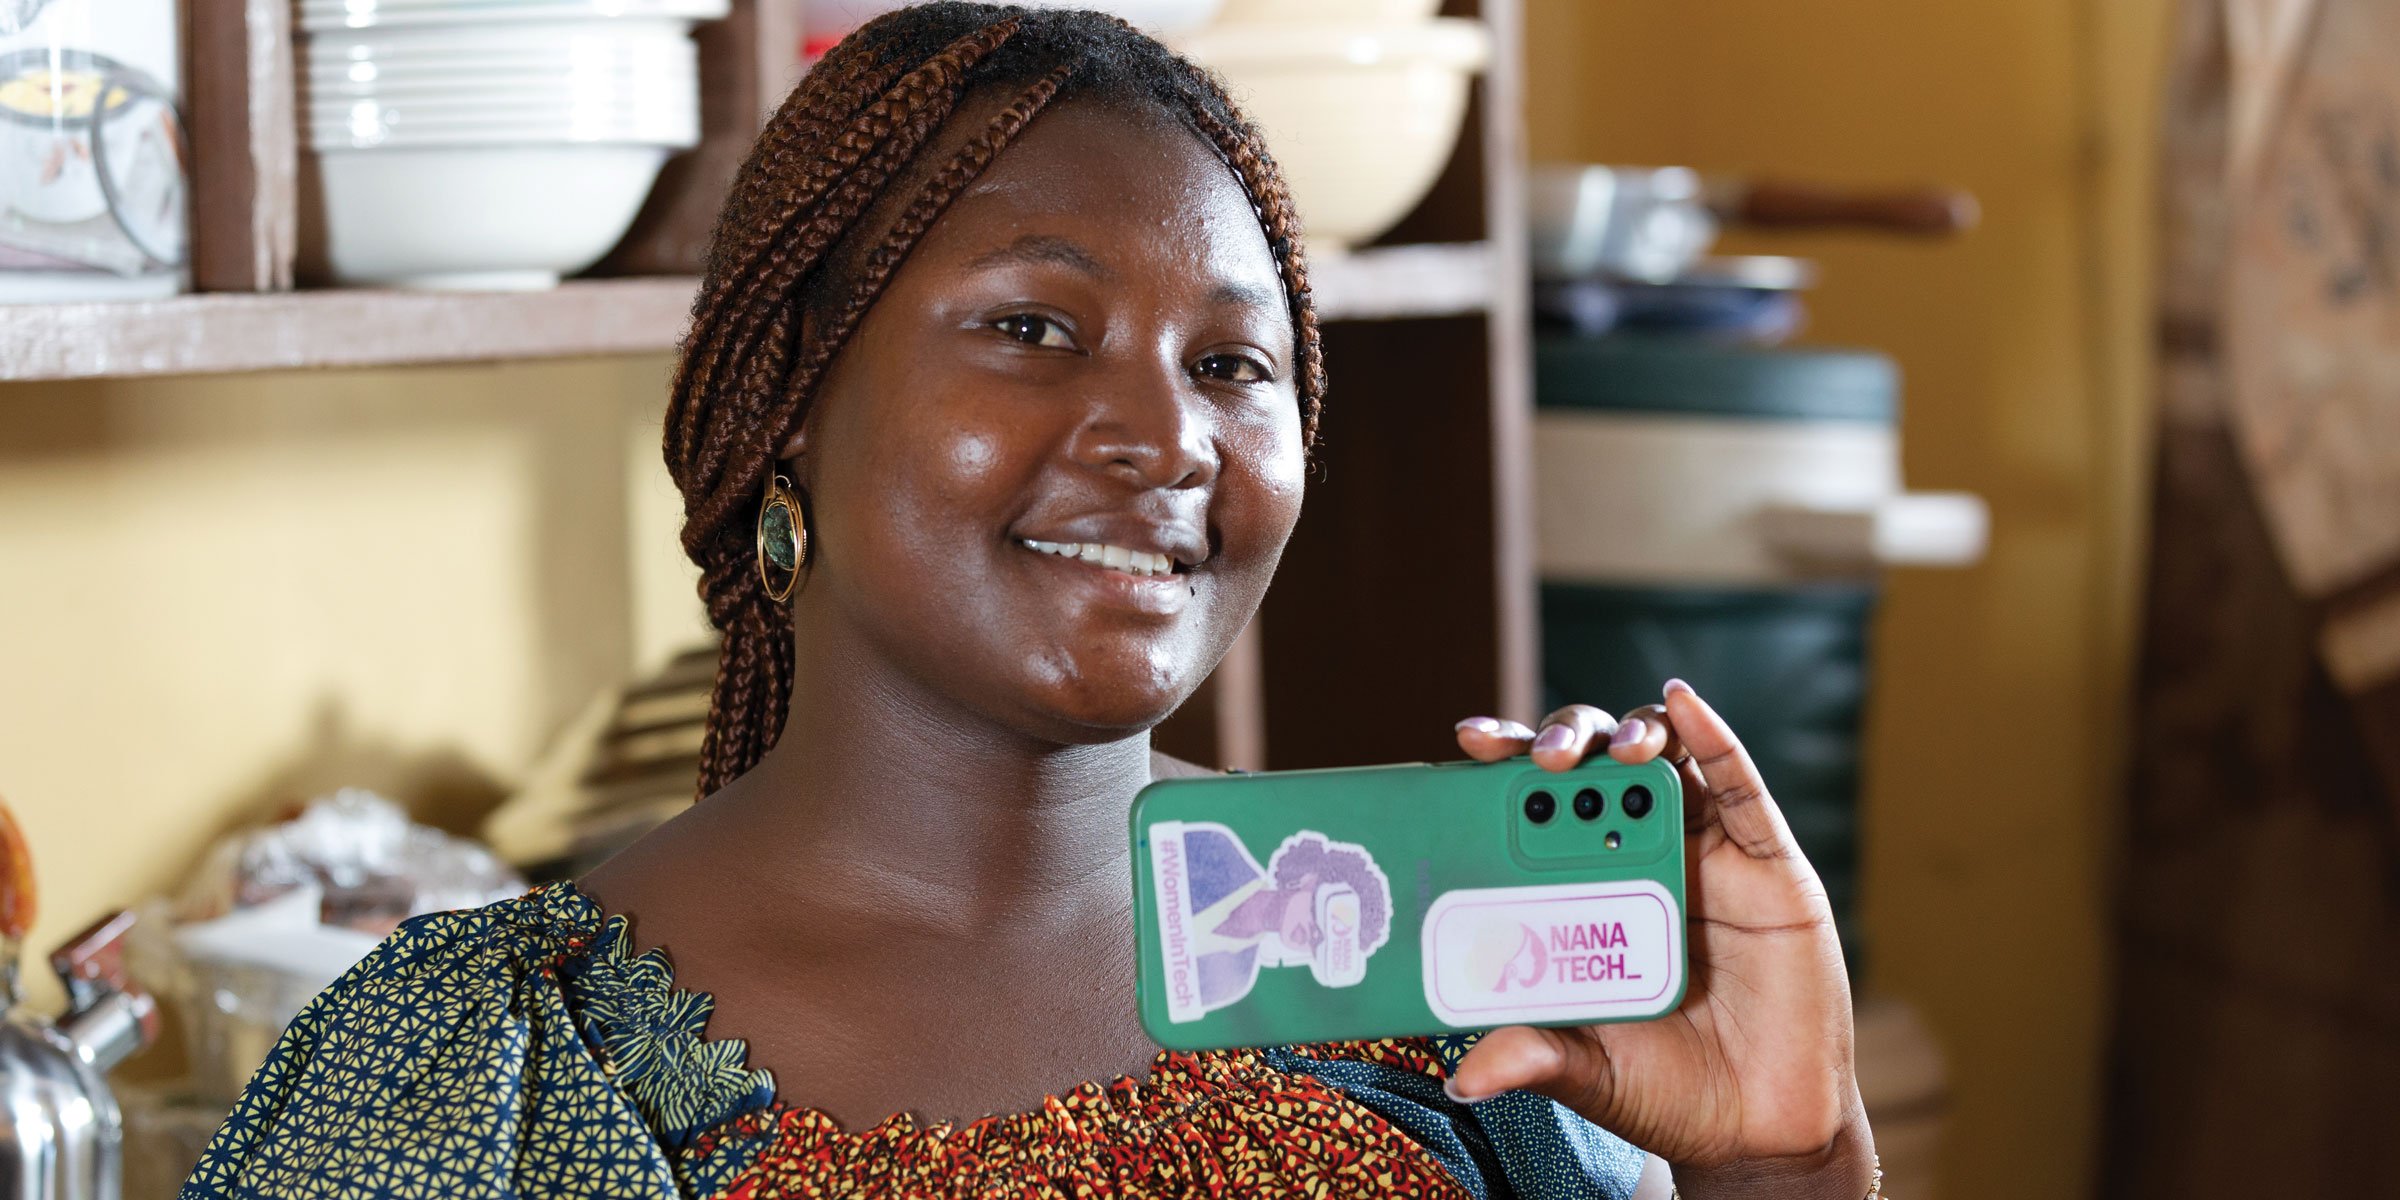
782,539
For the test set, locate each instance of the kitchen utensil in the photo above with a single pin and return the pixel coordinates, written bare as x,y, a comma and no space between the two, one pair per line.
60,1134
91,152
503,212
329,15
1360,116
496,150
1276,12
1650,223
1753,299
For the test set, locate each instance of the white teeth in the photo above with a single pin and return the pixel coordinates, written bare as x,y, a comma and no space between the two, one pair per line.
1115,558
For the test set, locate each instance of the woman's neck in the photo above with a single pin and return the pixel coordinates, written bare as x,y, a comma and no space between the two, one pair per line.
882,793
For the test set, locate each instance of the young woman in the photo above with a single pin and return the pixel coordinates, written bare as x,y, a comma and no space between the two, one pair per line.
992,424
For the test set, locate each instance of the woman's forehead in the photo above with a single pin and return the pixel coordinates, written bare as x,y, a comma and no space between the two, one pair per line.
1109,184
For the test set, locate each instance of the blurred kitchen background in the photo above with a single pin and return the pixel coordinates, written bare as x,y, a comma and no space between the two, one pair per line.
2024,371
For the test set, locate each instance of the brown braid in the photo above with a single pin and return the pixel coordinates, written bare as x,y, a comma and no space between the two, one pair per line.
792,273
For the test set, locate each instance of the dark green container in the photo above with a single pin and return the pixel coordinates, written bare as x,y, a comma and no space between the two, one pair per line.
1785,662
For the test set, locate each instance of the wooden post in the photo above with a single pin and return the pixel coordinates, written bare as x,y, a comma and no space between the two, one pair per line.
240,108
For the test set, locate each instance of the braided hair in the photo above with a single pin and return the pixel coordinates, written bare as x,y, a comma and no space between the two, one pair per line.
790,273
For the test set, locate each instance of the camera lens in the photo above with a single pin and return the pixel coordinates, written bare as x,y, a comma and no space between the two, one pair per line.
1540,807
1588,803
1636,802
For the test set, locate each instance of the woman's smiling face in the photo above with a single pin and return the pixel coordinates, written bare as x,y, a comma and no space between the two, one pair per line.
1088,357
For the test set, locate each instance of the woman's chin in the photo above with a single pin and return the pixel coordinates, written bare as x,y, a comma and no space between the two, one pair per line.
1089,719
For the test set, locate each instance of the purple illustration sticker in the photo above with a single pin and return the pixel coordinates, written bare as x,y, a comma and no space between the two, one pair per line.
1223,918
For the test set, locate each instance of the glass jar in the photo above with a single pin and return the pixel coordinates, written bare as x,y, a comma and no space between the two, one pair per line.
93,159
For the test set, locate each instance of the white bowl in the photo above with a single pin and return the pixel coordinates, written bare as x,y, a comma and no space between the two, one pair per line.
669,131
495,217
1361,117
320,16
1262,12
603,92
375,62
531,85
548,38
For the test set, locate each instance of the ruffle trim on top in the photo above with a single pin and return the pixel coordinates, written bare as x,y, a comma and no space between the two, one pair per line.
1201,1125
1212,1124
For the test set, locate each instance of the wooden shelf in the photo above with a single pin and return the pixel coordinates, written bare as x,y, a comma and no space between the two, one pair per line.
228,331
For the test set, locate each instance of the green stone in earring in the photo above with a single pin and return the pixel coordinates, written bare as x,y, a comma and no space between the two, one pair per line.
782,540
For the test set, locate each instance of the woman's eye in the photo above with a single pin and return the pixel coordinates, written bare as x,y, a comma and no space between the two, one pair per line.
1234,368
1034,331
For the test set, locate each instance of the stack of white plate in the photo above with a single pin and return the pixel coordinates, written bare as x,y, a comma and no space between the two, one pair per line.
491,144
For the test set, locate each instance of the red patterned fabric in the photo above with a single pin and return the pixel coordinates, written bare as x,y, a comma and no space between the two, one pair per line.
1217,1124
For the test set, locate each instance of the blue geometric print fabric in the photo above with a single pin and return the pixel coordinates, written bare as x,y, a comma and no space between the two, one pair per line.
451,1063
523,1050
1514,1146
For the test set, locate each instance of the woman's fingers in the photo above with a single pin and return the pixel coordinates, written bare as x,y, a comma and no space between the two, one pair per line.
1739,797
1490,739
1644,734
1569,734
1562,1064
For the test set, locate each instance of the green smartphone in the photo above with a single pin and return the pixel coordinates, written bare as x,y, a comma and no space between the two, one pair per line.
1307,906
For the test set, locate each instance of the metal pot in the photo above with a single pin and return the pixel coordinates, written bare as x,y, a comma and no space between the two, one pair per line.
1651,224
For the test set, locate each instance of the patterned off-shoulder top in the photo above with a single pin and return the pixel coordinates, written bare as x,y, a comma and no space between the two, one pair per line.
524,1050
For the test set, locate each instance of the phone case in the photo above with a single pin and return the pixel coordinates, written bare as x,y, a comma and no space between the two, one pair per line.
1306,906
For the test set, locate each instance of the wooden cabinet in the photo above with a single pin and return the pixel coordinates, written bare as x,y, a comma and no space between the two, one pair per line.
1406,599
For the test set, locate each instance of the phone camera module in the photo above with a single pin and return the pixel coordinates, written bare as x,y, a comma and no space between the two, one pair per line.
1588,804
1636,802
1540,807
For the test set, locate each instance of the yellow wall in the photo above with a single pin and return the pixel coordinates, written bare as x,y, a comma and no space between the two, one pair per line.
1992,770
223,595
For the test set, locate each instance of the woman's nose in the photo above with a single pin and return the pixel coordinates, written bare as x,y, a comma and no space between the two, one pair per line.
1148,425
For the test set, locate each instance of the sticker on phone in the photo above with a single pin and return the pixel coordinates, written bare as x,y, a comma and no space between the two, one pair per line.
1556,952
1222,918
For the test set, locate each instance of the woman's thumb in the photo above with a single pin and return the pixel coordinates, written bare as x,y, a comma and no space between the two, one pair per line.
1559,1063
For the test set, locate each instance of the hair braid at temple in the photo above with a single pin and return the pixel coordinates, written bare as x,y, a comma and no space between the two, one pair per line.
788,279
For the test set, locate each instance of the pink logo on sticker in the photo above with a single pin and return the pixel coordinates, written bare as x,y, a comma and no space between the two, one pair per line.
1557,952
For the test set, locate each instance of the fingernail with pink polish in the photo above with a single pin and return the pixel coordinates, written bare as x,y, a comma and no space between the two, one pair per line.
1630,732
1514,730
1677,685
1557,737
1480,725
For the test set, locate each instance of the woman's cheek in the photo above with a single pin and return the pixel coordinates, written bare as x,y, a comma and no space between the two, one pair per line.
969,457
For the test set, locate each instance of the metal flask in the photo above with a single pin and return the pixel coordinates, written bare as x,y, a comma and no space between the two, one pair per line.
65,1138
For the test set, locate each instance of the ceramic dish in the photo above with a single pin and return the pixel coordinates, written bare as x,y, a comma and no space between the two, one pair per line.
317,17
561,38
498,217
1361,117
1262,12
505,86
670,132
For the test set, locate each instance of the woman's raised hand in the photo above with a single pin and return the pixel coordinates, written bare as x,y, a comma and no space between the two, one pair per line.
1748,1087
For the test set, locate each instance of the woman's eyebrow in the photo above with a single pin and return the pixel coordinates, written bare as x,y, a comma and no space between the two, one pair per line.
1247,295
1044,248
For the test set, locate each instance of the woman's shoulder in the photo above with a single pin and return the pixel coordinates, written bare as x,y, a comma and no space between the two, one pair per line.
448,1058
527,938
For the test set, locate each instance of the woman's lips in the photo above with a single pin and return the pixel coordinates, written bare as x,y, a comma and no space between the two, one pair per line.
1163,594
